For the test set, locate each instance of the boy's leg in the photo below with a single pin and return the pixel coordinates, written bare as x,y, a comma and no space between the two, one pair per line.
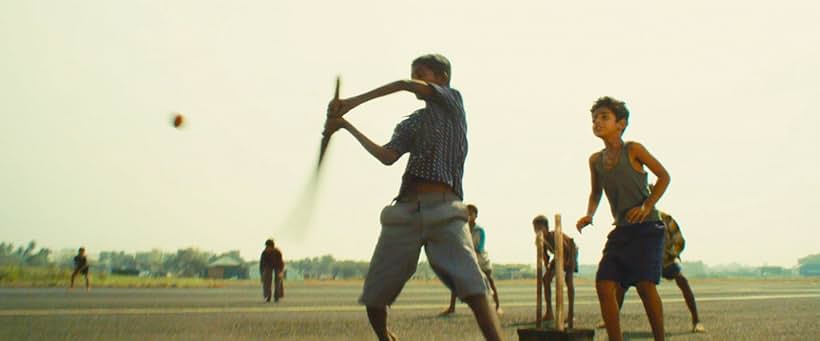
621,293
571,297
653,306
689,296
452,308
485,316
267,280
73,275
87,282
608,301
489,276
378,321
393,263
449,249
548,315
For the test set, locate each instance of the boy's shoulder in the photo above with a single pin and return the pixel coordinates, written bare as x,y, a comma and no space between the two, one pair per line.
447,96
596,155
633,145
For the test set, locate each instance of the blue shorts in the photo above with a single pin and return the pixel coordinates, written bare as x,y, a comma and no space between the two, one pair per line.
671,271
633,253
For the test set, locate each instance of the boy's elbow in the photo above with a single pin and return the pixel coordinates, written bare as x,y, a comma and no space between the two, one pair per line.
387,160
665,176
388,157
420,89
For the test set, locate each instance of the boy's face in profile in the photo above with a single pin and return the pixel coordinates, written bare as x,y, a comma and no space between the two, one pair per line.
421,72
605,123
471,217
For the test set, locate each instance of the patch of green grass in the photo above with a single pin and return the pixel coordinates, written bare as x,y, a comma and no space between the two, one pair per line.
52,276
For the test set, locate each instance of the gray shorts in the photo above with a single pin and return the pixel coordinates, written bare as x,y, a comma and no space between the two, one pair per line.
484,262
436,221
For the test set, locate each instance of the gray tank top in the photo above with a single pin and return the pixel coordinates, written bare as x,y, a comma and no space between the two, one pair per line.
624,187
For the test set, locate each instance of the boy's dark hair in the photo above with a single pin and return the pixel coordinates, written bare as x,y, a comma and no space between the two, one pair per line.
269,242
81,250
541,219
617,107
473,209
436,63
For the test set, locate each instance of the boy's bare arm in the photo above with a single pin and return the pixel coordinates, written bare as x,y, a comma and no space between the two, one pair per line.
339,107
594,195
384,155
639,152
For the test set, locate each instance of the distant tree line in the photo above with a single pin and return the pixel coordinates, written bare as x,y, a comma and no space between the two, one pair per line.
192,262
189,262
28,255
327,267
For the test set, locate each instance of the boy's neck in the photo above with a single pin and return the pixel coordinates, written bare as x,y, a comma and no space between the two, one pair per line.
613,143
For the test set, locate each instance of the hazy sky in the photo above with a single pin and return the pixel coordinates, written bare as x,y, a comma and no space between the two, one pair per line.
720,92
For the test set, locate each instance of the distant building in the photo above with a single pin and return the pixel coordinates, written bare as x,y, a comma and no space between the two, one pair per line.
810,270
227,267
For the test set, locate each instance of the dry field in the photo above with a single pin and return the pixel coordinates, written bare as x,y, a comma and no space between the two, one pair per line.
777,309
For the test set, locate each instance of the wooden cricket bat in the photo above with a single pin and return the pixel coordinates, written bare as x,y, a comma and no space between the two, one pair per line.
326,137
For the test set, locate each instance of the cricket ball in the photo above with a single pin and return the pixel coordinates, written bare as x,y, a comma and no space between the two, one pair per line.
178,120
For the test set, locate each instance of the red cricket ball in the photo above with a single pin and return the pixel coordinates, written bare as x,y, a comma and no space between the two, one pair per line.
178,120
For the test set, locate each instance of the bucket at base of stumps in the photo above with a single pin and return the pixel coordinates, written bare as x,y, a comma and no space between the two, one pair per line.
541,334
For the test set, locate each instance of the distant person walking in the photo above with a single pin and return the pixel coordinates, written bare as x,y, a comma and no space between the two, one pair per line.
81,267
271,269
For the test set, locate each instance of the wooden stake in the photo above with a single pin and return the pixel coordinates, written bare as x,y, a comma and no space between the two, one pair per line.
539,251
559,274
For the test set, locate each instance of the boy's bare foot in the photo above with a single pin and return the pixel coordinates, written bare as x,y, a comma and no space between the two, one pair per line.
698,328
600,325
499,311
447,311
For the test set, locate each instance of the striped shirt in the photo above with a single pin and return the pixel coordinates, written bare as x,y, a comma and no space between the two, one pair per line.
436,138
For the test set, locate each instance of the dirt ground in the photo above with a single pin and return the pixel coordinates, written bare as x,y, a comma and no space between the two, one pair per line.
730,309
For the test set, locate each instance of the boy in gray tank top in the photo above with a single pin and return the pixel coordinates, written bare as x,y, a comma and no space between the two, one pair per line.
634,248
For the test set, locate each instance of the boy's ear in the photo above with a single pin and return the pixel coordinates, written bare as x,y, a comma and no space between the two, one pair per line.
621,124
444,78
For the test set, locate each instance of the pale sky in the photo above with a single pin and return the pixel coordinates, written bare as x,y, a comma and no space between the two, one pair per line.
720,92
